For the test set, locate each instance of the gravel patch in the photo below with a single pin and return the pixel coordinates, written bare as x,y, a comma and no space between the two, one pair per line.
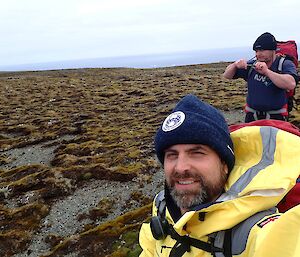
63,217
41,153
234,117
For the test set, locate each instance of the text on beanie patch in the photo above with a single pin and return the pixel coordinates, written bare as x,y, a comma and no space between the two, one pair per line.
173,121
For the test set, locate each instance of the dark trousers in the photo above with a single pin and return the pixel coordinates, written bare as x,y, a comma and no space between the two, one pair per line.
262,115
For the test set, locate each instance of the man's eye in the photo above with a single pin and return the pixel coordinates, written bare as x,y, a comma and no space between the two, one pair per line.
171,155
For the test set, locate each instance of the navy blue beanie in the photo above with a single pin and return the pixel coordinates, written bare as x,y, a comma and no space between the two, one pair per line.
266,41
195,122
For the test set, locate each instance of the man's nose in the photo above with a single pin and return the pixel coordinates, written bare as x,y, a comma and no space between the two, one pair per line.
182,163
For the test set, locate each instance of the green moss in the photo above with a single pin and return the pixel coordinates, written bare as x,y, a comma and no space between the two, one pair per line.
122,252
18,226
114,114
131,168
134,154
125,226
87,176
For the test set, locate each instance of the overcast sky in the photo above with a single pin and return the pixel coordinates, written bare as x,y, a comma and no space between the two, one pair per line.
51,30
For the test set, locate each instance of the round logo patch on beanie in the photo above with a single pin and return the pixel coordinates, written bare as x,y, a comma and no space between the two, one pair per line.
173,121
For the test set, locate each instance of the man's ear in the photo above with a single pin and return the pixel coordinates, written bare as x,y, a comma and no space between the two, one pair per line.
225,167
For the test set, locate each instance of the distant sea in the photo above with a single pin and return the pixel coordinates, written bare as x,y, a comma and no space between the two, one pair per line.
142,61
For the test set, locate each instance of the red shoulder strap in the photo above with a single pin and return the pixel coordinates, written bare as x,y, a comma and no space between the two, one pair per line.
284,125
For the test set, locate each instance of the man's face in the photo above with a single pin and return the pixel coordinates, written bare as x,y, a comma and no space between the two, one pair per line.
265,56
194,174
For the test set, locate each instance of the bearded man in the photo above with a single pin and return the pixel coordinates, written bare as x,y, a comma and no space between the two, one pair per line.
221,189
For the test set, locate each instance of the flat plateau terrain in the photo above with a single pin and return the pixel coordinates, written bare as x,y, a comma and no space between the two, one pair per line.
77,166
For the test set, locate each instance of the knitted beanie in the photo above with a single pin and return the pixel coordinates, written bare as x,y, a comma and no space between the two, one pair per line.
193,121
266,41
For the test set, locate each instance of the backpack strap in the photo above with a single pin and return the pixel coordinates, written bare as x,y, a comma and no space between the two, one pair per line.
280,63
234,241
279,67
290,93
222,239
283,111
223,243
160,204
240,232
183,244
251,68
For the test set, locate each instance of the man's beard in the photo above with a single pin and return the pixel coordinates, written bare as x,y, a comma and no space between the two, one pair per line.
206,192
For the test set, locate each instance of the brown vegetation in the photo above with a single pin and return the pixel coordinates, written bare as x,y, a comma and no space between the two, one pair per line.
100,125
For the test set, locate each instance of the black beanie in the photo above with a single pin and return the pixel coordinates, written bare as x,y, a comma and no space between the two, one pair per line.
266,41
195,122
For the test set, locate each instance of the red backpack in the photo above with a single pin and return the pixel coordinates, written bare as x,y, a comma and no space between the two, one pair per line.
288,50
292,198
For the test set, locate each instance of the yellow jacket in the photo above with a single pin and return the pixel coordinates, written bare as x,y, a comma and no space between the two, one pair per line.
267,166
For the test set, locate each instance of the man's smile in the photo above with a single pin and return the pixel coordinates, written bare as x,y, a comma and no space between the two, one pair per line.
186,184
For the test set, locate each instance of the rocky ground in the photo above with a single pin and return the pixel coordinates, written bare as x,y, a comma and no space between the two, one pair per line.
62,219
77,166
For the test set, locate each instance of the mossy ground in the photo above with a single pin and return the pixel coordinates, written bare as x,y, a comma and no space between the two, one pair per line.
111,116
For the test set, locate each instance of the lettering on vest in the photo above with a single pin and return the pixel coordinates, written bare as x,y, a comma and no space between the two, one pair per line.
262,78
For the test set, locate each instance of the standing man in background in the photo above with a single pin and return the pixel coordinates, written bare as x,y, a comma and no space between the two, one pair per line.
266,97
